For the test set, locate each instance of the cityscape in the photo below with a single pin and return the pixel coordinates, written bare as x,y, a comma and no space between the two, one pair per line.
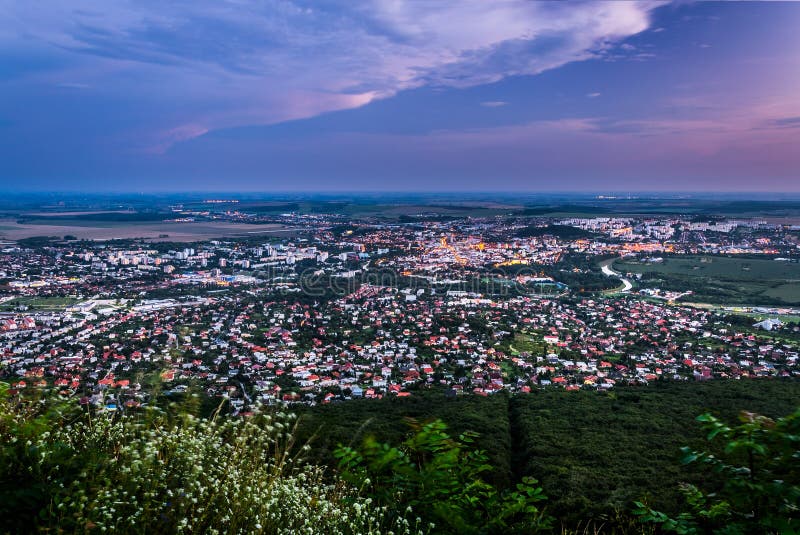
351,307
400,267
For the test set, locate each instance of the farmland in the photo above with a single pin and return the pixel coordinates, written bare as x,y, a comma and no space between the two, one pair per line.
90,229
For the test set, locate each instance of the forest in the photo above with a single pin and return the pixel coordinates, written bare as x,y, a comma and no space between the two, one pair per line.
593,453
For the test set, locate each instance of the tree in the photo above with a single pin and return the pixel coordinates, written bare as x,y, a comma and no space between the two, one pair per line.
760,480
441,479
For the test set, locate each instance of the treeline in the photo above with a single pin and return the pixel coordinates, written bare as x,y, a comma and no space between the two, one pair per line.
564,232
387,420
581,273
595,454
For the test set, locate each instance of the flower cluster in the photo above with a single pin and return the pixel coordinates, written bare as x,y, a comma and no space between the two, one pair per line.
154,474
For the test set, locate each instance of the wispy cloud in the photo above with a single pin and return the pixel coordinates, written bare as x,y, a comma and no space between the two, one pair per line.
787,122
242,62
73,85
175,135
493,103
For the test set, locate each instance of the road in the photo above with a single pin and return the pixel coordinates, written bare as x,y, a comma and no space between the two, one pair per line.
605,267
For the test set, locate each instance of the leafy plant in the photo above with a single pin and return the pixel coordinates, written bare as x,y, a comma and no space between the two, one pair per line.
441,478
159,473
760,470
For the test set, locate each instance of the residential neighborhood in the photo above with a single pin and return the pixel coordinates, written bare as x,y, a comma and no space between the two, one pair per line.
375,310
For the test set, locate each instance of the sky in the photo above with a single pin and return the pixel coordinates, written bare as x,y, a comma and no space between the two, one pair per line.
393,95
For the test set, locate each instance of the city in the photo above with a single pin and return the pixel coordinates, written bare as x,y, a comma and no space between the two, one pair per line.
351,308
400,267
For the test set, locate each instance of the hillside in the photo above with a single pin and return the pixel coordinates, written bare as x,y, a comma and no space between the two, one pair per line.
593,453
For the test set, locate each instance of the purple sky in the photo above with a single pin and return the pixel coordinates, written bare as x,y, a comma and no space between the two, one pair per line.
146,95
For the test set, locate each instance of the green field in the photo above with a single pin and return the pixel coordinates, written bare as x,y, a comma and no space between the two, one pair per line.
524,342
39,303
721,279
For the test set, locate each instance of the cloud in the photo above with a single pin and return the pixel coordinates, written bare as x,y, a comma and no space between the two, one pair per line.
593,95
573,153
210,64
175,135
493,103
73,85
787,122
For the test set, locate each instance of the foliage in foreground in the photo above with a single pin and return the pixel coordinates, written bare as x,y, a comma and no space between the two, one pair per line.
66,470
154,475
442,477
760,470
593,453
596,453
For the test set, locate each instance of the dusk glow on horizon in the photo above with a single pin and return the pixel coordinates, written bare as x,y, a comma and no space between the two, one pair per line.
390,95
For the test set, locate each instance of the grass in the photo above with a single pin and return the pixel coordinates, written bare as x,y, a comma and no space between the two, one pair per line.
723,280
733,268
787,292
523,343
39,303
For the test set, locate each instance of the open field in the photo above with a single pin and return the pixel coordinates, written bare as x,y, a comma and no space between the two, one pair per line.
722,280
733,268
151,231
789,291
785,314
39,303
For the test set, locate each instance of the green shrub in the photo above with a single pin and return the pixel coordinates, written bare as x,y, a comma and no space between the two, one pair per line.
760,471
154,474
441,479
